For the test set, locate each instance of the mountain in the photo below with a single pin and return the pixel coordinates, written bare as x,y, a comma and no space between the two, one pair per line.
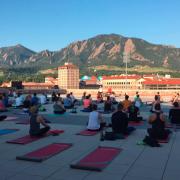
99,50
14,55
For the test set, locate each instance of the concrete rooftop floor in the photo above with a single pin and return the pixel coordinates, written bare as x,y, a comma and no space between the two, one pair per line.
135,162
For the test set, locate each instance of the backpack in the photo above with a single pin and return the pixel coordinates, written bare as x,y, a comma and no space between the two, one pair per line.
151,141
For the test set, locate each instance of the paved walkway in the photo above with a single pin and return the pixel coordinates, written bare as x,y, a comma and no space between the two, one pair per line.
133,163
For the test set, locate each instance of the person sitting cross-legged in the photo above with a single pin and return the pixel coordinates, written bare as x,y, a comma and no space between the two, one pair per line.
19,101
42,99
96,121
133,113
68,102
156,101
119,122
174,114
2,106
73,99
35,122
157,120
126,103
87,104
99,97
108,106
59,107
27,103
34,100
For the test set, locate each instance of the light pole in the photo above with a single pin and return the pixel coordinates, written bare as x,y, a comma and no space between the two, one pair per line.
126,60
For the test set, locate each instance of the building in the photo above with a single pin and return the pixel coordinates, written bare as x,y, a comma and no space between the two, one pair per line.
51,80
162,83
68,76
91,81
122,82
135,82
33,85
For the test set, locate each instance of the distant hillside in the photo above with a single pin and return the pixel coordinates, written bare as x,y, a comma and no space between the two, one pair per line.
100,50
14,55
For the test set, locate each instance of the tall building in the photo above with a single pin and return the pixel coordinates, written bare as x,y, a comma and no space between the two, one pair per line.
68,76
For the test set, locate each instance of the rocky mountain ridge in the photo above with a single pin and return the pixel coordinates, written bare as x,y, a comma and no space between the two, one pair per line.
99,50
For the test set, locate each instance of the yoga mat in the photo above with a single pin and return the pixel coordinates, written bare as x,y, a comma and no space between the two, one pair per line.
7,131
25,122
98,159
55,132
56,115
21,113
87,133
45,152
11,118
133,123
164,140
105,112
86,111
28,139
171,126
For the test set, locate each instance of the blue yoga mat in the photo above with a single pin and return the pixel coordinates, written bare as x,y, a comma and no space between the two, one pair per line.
7,131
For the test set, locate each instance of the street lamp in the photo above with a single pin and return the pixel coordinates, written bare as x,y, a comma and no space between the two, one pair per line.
126,59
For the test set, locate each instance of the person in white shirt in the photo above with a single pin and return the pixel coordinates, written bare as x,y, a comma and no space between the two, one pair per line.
14,94
100,89
43,99
18,101
96,121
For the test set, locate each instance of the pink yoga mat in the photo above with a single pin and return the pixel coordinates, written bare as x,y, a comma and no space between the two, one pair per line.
45,152
132,123
11,118
98,159
28,139
164,140
88,133
171,126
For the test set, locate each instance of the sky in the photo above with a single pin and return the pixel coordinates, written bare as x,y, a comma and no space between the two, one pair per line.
53,24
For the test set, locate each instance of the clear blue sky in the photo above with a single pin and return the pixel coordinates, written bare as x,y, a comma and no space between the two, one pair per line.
53,24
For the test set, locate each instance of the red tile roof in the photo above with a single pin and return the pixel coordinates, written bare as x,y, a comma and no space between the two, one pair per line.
171,81
121,77
31,84
93,78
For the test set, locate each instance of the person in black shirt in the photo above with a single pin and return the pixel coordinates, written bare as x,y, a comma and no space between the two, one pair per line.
108,105
157,120
174,114
134,113
119,122
35,122
54,97
27,103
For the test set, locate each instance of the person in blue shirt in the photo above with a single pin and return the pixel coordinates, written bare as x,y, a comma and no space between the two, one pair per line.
34,100
68,102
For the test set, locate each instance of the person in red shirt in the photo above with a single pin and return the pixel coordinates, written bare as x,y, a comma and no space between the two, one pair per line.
87,104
